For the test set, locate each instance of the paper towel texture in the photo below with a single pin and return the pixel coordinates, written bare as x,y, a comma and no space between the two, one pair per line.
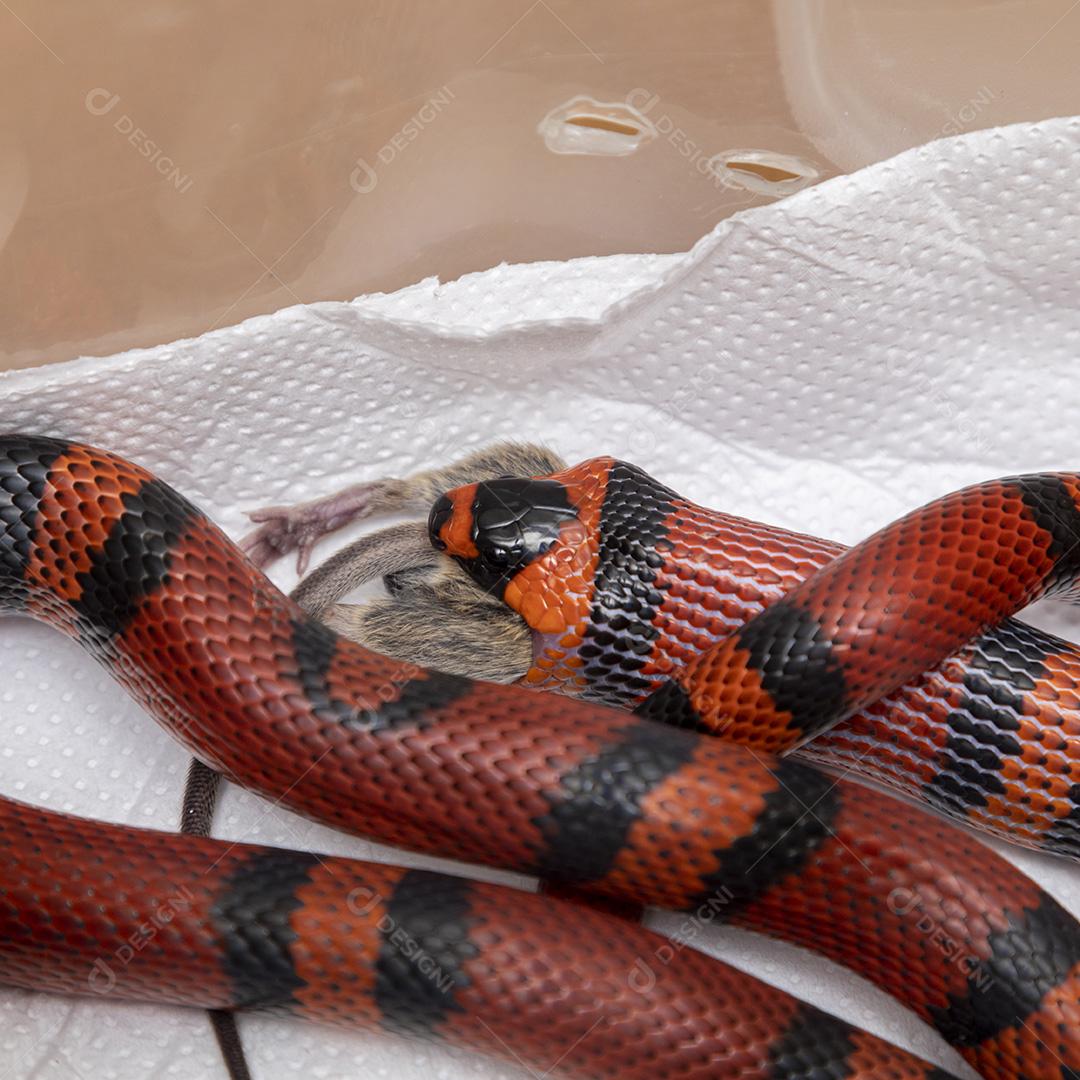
825,363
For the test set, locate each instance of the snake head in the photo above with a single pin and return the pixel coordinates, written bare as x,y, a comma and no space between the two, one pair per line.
497,528
532,542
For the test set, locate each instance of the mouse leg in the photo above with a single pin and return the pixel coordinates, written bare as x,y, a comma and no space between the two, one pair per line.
284,529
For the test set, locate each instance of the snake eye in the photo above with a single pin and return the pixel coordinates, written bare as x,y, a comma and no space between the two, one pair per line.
514,521
501,548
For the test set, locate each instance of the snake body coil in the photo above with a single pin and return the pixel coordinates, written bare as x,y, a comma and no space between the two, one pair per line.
93,908
642,598
580,794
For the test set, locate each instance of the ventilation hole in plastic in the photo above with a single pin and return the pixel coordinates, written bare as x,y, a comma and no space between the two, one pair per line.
766,172
763,171
583,125
604,123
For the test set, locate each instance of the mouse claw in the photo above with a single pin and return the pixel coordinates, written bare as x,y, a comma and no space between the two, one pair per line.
285,529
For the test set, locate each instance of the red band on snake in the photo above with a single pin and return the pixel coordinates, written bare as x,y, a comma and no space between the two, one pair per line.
905,639
557,986
575,792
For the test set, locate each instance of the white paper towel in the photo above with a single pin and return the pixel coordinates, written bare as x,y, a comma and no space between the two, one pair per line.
825,363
